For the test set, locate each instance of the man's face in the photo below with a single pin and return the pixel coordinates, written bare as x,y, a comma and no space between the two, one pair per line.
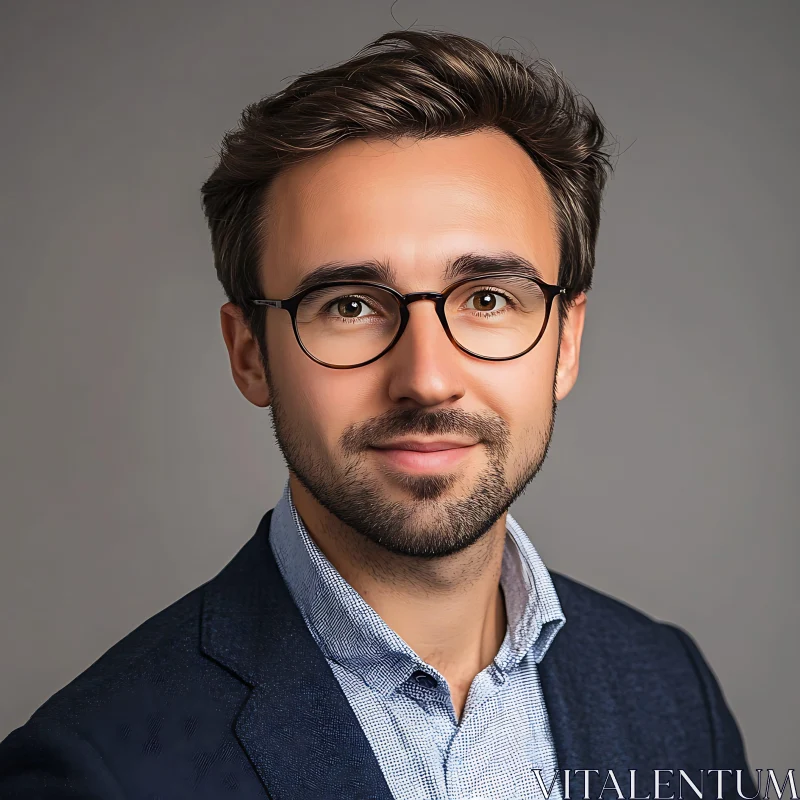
414,205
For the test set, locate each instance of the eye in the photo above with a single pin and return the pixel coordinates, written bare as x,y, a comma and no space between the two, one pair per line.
487,300
349,307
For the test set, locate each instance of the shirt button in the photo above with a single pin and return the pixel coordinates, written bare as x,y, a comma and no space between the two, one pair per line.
423,679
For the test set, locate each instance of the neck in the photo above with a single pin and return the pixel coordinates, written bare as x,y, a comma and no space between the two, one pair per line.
449,610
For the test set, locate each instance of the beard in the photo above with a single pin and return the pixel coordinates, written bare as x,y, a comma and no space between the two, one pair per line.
431,523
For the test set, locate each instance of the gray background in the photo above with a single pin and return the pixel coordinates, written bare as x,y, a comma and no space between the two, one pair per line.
132,467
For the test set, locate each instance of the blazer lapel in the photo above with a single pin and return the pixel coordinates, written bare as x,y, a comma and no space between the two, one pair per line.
587,731
297,725
565,701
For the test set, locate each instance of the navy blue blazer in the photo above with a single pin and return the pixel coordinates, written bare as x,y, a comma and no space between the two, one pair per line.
226,694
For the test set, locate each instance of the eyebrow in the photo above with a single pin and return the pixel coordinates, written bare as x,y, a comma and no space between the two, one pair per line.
467,265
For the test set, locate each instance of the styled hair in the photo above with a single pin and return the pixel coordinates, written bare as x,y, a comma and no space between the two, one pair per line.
409,83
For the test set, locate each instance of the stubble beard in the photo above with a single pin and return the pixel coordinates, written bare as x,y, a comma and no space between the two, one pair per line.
429,524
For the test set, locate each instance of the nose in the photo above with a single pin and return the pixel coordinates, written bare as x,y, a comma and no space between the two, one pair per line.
424,364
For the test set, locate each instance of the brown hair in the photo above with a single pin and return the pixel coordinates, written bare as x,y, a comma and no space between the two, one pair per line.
420,84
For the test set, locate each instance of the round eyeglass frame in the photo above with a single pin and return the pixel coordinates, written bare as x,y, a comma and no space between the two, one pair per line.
292,303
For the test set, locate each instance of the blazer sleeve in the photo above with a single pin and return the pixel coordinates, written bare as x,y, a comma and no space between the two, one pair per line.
727,744
44,761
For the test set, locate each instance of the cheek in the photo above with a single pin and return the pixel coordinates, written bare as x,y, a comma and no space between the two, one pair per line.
320,402
518,388
520,392
530,401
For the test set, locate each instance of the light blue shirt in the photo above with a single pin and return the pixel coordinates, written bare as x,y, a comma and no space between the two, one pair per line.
403,704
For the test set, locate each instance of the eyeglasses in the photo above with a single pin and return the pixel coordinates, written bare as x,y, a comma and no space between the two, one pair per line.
347,324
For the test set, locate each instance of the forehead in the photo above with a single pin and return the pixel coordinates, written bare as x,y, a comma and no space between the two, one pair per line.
412,203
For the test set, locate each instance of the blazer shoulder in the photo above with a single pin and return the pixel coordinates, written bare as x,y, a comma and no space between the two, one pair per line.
164,659
611,625
659,663
584,599
631,649
151,705
162,642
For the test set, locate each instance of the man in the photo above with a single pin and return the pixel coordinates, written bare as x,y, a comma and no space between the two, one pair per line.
406,242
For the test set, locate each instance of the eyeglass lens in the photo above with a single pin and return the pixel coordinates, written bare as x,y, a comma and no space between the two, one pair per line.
347,325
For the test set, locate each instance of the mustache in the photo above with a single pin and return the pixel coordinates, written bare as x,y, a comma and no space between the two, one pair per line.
490,430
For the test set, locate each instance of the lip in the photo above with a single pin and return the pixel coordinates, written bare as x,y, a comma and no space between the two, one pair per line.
424,447
436,457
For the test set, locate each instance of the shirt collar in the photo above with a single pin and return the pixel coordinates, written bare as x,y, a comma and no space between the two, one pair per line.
351,633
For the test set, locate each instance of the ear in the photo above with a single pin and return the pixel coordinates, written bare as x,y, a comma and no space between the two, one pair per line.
246,367
570,349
